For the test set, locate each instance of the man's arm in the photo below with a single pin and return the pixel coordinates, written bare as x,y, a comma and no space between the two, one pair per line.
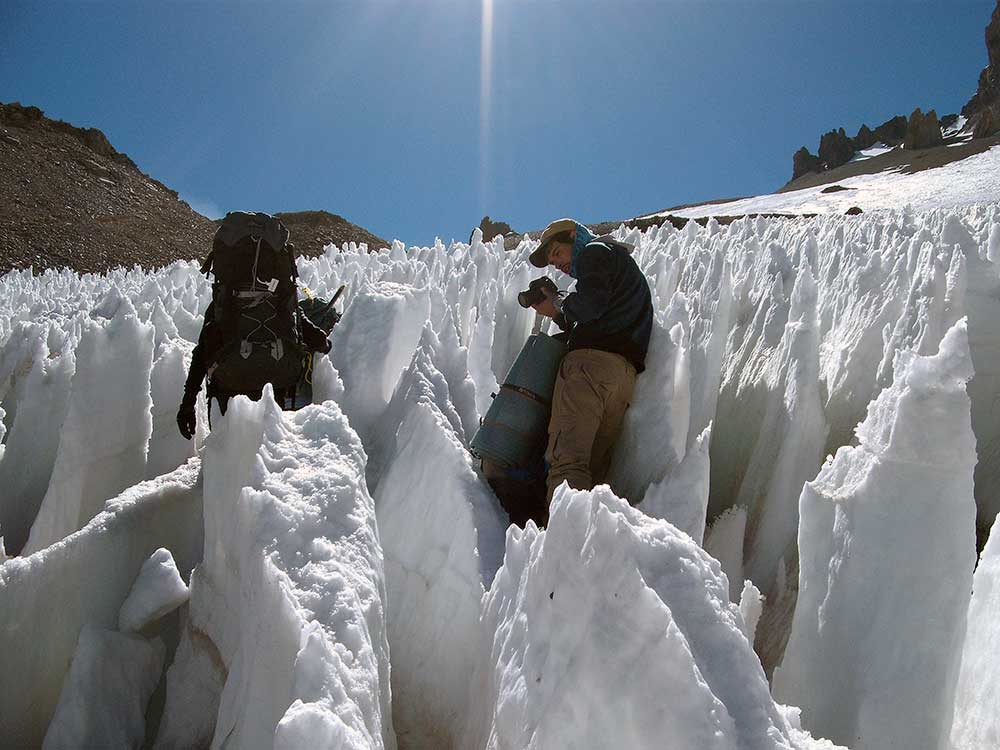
314,337
593,285
186,420
199,367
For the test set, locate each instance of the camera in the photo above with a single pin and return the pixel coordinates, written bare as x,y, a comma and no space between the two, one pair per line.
535,292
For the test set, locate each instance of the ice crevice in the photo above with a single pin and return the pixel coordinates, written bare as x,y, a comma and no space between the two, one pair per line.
352,581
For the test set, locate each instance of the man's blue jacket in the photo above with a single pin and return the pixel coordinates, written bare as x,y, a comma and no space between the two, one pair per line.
611,308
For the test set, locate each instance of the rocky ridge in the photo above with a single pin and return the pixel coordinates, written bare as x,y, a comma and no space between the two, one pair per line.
920,130
984,107
69,199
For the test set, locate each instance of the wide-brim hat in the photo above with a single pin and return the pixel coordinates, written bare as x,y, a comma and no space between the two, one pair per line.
540,257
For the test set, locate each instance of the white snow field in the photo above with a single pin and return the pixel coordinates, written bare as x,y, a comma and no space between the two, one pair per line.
346,578
958,184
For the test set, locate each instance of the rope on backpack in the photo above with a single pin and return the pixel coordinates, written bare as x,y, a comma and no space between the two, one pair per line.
256,258
309,368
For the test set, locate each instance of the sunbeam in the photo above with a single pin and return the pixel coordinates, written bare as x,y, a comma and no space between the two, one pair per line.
485,103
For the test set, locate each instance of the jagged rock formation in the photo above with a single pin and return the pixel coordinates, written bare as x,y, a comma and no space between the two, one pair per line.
836,148
68,198
804,162
923,130
491,229
920,130
984,106
892,131
865,138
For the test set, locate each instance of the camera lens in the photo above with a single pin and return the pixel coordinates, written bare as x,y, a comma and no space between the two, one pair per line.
529,297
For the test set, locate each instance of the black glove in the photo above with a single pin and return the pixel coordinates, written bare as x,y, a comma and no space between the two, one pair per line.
187,422
335,318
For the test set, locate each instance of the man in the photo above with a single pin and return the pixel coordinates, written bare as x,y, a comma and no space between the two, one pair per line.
254,332
210,341
609,318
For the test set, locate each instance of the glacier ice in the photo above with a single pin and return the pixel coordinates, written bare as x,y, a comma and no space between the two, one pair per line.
442,532
87,576
103,701
977,695
36,399
887,548
616,630
194,685
291,589
793,432
158,589
681,497
105,437
781,334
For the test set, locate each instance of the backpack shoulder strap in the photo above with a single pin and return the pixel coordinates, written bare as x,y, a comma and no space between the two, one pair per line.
607,239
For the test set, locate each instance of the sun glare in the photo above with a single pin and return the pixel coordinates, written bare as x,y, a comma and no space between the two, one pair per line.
485,101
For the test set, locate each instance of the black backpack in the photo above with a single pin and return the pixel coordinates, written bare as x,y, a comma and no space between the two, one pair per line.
254,301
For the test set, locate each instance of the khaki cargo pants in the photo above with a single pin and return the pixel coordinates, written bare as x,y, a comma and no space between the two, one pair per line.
592,392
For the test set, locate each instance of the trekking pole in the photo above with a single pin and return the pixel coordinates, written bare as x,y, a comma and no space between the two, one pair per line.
326,308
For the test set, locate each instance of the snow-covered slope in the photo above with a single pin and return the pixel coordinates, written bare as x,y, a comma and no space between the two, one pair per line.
349,580
960,183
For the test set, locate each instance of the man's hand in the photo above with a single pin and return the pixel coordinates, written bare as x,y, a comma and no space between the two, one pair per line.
187,422
547,307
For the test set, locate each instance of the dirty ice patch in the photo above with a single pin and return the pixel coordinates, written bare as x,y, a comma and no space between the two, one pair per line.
615,630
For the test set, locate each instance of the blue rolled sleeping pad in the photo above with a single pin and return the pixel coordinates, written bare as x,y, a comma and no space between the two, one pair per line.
516,424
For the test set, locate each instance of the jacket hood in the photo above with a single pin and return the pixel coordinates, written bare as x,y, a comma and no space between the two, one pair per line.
583,238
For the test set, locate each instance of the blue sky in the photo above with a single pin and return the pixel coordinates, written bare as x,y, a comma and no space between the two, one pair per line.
413,119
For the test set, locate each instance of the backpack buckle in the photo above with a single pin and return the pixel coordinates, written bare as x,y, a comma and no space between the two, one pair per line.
246,349
277,350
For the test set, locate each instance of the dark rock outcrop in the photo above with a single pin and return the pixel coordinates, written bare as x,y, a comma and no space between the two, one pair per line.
835,148
987,124
922,131
804,162
493,229
865,138
987,96
892,131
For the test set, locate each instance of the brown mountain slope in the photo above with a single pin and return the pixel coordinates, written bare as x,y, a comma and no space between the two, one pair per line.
312,230
69,199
